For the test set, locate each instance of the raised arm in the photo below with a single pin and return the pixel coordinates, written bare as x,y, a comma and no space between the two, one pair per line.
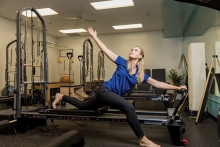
112,56
162,85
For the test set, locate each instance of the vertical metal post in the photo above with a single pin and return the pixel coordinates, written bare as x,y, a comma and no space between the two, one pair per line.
6,67
18,65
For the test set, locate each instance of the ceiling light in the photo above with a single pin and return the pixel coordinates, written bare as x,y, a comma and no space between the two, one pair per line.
130,26
112,4
73,31
43,12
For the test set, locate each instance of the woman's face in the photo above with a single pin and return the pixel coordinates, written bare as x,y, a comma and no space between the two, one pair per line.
135,53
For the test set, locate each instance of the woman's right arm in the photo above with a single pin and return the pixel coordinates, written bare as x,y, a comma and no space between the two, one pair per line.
112,56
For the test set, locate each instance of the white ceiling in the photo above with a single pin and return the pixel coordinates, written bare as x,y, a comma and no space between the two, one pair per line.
148,12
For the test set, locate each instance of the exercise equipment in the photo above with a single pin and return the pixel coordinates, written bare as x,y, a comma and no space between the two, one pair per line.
7,126
144,92
150,96
7,71
101,67
206,91
6,122
20,76
80,58
9,89
69,56
66,78
87,67
170,118
6,99
7,94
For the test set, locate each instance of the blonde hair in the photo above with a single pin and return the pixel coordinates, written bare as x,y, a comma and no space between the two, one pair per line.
140,66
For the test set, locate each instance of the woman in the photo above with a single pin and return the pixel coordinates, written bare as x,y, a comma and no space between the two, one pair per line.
127,74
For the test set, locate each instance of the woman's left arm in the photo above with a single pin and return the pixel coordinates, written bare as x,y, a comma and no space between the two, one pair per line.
163,85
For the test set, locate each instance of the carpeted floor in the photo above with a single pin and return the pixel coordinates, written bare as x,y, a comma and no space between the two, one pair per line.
104,134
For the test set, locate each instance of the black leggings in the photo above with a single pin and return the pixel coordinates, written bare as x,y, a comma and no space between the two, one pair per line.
105,97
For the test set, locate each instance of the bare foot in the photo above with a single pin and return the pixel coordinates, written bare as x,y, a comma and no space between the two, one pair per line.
58,98
144,142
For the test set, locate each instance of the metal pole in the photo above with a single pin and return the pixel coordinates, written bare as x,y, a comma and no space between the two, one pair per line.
6,68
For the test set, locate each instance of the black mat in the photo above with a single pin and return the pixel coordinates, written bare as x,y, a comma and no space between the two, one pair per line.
70,109
144,95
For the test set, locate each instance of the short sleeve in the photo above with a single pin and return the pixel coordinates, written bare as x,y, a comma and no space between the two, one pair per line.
121,61
146,77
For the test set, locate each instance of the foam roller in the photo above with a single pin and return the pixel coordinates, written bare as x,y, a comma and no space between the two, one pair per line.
6,122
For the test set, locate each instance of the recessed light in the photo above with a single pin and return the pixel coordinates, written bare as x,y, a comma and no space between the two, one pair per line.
73,31
129,26
42,12
112,4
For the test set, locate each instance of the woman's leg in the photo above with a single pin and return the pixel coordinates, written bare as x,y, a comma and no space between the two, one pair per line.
91,103
115,101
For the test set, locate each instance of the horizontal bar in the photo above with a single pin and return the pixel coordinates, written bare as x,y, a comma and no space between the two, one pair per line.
30,82
145,98
31,65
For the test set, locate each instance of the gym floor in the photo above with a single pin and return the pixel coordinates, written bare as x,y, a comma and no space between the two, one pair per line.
106,134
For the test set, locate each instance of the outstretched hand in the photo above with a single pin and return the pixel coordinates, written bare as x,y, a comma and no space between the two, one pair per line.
182,88
91,32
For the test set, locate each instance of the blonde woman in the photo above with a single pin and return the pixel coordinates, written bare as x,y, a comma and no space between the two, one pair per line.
128,73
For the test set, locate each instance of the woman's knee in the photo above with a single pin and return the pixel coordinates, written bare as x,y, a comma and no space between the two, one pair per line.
130,108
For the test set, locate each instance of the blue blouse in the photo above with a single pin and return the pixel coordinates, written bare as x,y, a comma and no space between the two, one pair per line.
121,81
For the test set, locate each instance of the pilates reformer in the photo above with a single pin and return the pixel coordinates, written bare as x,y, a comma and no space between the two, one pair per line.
143,92
150,96
169,118
6,99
